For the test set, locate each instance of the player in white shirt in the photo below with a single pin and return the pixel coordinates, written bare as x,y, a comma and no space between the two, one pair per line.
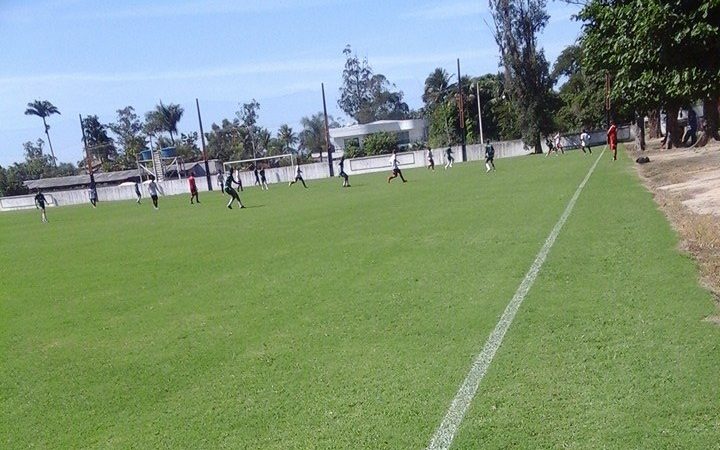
298,177
585,142
396,172
153,189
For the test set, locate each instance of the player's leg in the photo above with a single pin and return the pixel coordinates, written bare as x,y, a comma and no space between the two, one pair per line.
401,176
303,182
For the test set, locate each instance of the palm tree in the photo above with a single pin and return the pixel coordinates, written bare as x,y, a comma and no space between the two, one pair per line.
43,108
166,118
286,136
437,88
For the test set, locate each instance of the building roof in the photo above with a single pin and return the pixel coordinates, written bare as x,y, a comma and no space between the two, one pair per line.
81,180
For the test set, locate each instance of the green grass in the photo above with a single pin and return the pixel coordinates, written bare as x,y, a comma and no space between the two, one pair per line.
347,318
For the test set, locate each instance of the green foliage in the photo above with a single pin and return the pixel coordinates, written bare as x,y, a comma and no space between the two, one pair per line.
225,141
164,118
353,150
43,109
99,144
367,97
379,143
188,148
37,165
287,138
528,84
657,52
130,138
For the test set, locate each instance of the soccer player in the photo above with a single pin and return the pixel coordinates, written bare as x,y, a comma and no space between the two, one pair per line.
585,142
263,180
298,177
558,144
396,172
612,139
40,204
256,172
221,181
231,191
431,160
489,156
153,189
137,192
344,176
550,146
92,193
193,189
448,158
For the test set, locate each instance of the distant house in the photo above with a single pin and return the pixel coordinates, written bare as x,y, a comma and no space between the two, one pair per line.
407,131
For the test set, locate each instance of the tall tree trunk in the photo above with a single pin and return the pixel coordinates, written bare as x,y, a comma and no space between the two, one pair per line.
538,144
653,130
639,132
52,153
672,127
172,139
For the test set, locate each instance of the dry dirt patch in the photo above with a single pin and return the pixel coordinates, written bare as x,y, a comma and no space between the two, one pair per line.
686,185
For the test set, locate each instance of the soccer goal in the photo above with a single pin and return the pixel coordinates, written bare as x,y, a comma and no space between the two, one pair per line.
267,162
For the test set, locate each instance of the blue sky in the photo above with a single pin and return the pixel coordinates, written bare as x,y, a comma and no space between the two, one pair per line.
94,57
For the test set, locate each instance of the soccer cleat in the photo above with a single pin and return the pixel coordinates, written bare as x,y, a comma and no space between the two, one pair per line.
229,206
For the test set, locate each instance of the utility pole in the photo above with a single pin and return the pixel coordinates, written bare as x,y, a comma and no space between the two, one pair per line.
202,140
462,114
327,133
88,161
477,94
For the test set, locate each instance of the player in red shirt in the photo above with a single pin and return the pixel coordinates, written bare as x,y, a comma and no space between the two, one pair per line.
612,139
193,189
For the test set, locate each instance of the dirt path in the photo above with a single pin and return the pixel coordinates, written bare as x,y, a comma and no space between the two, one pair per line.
686,186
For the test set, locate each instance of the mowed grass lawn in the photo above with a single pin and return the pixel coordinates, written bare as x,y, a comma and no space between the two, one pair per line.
347,318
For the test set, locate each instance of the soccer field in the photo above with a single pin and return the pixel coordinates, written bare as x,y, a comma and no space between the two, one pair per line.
348,318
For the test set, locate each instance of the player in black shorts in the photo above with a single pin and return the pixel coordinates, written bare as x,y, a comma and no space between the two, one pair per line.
448,157
431,160
229,190
344,176
256,172
298,177
396,172
263,180
489,156
40,204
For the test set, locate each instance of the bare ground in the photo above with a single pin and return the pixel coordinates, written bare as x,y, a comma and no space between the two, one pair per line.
686,185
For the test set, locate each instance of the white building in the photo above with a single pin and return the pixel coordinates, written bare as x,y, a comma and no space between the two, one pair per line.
407,131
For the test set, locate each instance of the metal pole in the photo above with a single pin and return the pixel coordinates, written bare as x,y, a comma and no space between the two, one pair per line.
327,132
462,114
477,94
88,161
202,140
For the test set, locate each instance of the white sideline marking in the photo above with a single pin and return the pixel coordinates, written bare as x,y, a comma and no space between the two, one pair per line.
445,433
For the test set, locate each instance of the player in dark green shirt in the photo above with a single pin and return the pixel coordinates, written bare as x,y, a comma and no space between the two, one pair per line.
489,156
40,204
231,191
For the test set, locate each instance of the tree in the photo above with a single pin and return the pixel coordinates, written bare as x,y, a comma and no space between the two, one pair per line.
164,118
658,53
43,109
367,97
129,136
437,88
312,137
249,132
223,141
99,144
286,137
187,148
581,94
527,79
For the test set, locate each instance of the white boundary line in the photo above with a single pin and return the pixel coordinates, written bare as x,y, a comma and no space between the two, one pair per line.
444,435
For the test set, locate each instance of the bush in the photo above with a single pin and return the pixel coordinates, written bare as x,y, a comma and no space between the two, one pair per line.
380,143
353,150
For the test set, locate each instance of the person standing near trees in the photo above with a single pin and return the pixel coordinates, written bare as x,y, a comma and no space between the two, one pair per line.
431,160
612,139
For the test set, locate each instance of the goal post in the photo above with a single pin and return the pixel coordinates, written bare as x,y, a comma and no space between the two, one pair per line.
287,159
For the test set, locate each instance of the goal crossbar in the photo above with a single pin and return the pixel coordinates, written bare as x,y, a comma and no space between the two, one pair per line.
264,158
